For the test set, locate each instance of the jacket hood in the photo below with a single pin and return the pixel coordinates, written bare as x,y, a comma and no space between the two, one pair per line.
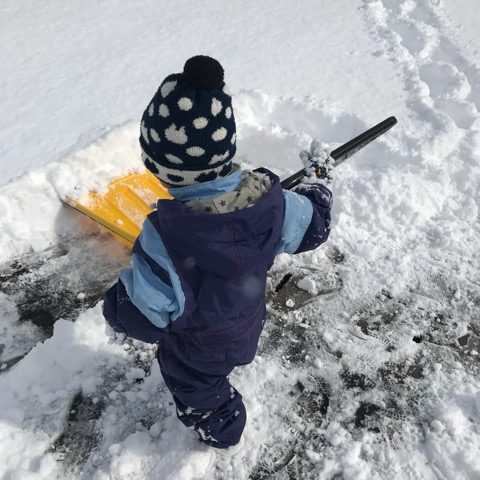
227,244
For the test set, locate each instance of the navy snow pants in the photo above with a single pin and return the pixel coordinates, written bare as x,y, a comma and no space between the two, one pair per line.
204,398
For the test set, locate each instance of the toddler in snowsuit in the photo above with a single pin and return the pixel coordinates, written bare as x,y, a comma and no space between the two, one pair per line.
196,287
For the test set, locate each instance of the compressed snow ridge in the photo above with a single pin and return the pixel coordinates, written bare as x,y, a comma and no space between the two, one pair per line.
33,216
94,167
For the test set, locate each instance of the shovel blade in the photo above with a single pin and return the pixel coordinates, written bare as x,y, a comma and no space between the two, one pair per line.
123,208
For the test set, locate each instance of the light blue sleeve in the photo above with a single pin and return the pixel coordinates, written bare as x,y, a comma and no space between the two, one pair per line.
159,302
297,217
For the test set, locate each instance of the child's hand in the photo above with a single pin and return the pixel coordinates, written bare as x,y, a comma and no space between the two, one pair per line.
317,162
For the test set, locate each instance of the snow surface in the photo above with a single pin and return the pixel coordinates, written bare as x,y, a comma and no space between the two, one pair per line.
368,366
69,72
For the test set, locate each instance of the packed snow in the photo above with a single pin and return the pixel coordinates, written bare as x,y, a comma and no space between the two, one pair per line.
368,367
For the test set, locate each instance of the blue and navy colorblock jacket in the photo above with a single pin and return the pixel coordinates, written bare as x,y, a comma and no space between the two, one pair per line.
198,281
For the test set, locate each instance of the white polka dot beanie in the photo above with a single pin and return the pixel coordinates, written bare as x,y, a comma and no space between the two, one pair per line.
188,129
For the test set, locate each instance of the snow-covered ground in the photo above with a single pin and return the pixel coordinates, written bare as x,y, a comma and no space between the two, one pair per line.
368,367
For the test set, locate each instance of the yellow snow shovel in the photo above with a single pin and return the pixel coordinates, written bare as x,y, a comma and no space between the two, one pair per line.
125,205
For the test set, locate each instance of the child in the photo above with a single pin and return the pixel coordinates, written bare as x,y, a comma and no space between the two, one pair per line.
197,283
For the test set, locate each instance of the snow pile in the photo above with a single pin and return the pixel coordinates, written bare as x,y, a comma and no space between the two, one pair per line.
25,226
95,167
36,393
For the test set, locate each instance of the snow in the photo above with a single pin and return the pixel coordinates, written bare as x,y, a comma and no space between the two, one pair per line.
308,285
68,72
368,366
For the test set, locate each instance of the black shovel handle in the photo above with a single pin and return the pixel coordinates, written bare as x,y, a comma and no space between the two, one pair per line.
346,150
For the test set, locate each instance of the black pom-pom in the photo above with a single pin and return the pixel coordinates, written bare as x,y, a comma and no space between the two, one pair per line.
203,72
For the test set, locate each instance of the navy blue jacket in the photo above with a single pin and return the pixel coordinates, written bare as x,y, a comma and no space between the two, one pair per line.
198,281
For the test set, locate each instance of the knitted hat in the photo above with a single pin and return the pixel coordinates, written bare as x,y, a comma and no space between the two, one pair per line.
188,129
